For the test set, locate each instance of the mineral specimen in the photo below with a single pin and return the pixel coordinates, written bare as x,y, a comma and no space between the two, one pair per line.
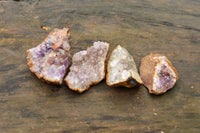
50,59
121,69
157,73
88,67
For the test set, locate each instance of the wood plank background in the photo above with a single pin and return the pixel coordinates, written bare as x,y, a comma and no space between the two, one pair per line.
169,27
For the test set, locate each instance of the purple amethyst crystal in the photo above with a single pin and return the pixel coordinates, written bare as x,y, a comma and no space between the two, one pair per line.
50,59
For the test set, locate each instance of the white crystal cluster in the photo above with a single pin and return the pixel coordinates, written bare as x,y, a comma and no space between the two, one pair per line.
122,70
88,67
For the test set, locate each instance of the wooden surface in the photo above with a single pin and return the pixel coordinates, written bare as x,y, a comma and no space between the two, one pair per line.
169,27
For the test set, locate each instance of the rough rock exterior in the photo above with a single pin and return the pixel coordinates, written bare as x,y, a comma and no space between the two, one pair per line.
121,69
88,67
50,59
157,73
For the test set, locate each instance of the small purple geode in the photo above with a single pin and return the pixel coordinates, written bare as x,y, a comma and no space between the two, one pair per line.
158,73
50,59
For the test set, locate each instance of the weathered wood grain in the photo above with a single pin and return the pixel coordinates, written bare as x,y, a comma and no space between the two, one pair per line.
170,27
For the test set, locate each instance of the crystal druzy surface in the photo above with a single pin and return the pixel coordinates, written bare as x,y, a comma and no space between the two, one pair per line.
50,59
122,70
88,67
164,76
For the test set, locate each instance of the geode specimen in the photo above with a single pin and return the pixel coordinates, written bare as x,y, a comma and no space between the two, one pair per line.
157,73
50,59
88,67
121,69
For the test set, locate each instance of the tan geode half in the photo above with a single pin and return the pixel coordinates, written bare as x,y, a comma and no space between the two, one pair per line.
157,73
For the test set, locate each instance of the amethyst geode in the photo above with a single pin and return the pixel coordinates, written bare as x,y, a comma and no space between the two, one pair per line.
50,59
88,67
157,73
